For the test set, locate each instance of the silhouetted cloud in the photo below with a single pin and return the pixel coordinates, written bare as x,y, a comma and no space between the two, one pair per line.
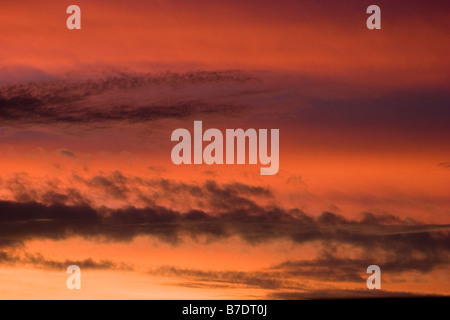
253,224
76,101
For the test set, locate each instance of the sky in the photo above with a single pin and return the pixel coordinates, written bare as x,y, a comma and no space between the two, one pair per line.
86,178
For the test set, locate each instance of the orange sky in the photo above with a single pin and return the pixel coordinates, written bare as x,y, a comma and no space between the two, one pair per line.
321,39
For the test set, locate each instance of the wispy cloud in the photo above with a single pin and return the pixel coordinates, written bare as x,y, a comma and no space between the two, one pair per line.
99,100
67,153
444,165
39,261
346,294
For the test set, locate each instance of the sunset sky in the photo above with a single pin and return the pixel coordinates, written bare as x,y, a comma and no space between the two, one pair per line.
86,175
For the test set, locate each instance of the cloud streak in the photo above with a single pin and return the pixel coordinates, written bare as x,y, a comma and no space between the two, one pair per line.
253,224
95,100
39,261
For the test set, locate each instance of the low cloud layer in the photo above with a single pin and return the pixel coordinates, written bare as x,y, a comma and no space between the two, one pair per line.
402,244
255,225
218,212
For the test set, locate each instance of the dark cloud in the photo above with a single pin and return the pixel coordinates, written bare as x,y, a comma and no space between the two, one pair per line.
39,261
6,258
253,224
209,196
5,243
31,110
235,195
19,186
78,102
113,186
138,192
62,197
326,269
332,268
